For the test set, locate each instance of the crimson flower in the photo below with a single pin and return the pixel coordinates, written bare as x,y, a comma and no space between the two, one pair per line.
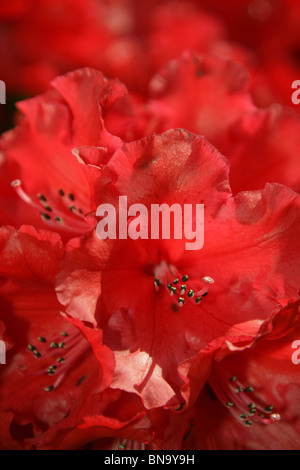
124,39
151,332
168,324
55,386
49,187
258,395
209,95
40,41
194,93
132,41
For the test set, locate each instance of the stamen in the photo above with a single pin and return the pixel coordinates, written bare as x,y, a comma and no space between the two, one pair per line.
234,395
269,408
51,370
80,381
182,289
123,444
75,345
173,290
45,216
41,197
167,276
16,184
127,444
39,203
156,283
42,340
72,208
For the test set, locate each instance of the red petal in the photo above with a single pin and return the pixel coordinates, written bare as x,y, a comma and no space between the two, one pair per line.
39,151
29,261
197,92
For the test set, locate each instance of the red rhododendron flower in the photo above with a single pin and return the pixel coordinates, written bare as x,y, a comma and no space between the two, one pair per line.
209,95
53,129
196,93
240,412
110,283
125,39
118,334
268,31
131,40
52,352
51,183
53,37
256,396
120,304
31,313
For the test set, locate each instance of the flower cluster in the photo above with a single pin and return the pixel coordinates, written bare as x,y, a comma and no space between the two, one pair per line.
142,344
132,40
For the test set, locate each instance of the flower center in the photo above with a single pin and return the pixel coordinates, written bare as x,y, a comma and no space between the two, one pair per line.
58,356
241,401
168,277
69,217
